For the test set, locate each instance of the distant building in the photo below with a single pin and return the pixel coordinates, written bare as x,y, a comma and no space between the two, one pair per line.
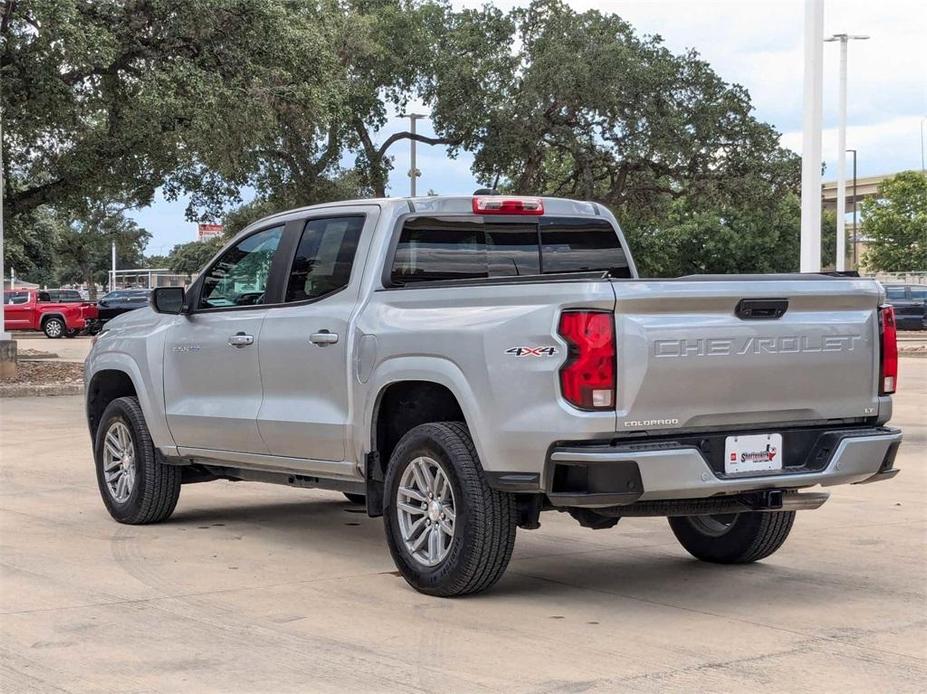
206,231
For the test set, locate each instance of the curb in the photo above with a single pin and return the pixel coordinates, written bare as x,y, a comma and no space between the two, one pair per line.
25,390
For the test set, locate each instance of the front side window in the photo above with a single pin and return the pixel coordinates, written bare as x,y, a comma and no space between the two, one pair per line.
239,276
16,297
919,293
324,257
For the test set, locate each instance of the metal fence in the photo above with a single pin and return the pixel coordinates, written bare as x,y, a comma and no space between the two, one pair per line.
899,277
146,278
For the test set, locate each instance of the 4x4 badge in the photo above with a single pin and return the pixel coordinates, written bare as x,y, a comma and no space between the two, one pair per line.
532,351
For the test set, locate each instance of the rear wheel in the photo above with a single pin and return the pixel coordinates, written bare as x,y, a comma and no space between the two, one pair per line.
54,328
733,538
136,487
449,532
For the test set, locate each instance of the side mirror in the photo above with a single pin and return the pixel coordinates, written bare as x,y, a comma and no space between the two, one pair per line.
167,300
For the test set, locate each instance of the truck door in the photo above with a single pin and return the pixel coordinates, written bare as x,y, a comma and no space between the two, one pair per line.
18,309
212,378
306,342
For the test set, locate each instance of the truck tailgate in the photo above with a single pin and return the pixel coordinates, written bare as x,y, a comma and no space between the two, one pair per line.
687,359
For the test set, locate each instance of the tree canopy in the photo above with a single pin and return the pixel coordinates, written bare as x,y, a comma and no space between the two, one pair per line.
107,100
895,224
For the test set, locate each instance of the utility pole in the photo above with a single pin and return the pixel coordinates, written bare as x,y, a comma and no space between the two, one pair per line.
414,173
4,335
923,121
112,276
844,39
855,220
8,365
811,138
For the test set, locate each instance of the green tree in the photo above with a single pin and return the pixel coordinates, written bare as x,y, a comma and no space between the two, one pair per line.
85,246
584,107
895,224
189,258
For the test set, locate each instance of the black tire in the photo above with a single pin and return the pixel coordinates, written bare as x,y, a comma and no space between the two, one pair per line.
71,333
54,328
358,499
484,528
156,487
738,538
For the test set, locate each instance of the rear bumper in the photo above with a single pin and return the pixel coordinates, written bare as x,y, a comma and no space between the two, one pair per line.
612,475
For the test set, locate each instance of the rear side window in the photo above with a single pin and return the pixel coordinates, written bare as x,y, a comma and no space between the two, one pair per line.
324,257
919,293
574,244
895,293
461,248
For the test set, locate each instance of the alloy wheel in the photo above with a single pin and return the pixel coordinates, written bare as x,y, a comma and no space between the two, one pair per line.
427,512
119,462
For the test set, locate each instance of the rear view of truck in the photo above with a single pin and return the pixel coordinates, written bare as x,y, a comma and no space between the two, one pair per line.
724,403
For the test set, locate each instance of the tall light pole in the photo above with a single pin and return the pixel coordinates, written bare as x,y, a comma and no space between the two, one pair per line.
4,335
414,173
112,277
855,220
811,137
923,121
844,39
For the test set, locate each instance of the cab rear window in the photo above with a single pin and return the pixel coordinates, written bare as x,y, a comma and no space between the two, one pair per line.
467,248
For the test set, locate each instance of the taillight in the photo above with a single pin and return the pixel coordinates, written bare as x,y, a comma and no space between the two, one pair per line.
888,367
501,204
587,379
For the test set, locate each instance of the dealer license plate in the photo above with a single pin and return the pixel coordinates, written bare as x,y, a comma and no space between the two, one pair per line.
752,453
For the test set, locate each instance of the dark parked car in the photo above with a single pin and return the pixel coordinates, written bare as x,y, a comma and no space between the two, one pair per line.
910,303
120,301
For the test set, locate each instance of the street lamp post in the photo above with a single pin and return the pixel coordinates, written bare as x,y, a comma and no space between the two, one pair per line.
855,221
844,39
414,173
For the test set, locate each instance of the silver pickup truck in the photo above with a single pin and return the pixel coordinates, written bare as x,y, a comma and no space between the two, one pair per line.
461,364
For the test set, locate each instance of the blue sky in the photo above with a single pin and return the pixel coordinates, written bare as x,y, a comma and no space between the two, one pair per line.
756,43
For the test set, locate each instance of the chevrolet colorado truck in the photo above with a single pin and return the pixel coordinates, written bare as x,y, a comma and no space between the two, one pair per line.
31,309
462,364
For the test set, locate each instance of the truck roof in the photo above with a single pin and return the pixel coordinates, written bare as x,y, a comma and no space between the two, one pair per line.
448,204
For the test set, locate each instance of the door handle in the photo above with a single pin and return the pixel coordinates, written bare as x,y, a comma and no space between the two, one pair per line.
241,340
323,337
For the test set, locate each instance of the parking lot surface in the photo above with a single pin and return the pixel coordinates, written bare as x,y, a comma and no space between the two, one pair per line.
258,588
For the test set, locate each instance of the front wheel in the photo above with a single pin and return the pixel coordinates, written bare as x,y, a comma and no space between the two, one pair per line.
136,487
448,531
54,328
733,538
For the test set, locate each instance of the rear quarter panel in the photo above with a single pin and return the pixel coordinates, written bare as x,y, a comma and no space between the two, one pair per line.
460,337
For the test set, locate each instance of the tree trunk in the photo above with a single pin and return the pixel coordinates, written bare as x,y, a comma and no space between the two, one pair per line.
91,285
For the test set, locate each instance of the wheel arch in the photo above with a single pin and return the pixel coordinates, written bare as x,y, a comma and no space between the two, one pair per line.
436,394
105,386
145,386
45,317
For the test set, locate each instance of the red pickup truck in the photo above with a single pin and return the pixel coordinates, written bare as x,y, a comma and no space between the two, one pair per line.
30,309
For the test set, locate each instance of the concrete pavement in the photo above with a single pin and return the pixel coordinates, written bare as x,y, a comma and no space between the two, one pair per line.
257,588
